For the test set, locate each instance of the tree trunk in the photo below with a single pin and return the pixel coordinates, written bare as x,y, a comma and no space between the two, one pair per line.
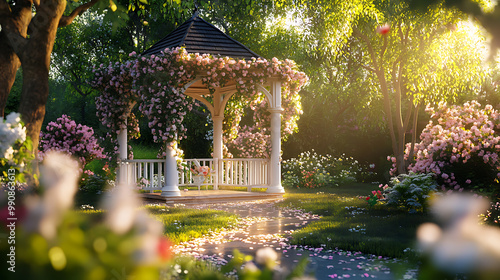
35,60
9,63
9,60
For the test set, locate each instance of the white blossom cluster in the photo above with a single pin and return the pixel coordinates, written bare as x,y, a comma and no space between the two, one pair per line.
11,131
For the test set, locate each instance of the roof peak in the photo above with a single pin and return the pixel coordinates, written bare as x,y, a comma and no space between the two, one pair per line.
200,36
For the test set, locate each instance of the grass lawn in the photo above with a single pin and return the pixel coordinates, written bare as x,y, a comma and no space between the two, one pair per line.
182,224
349,223
145,151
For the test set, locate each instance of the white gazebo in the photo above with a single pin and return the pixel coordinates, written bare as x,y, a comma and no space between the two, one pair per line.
199,36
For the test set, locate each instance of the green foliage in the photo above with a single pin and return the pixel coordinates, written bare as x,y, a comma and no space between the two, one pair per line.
199,132
411,191
355,70
93,183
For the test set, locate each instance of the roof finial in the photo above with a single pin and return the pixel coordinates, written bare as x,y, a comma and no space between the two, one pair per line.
195,10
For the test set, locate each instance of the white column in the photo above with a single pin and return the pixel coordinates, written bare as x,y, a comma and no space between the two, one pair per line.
217,145
275,161
217,120
122,155
170,188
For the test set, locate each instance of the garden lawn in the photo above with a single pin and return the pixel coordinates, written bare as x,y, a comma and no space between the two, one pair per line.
349,223
145,151
182,224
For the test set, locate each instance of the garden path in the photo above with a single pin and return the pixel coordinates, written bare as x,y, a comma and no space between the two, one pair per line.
263,224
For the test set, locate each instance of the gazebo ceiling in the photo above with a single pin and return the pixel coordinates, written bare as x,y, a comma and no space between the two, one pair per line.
199,36
198,88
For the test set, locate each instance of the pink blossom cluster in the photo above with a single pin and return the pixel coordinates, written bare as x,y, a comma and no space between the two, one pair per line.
157,82
460,145
251,142
75,139
119,94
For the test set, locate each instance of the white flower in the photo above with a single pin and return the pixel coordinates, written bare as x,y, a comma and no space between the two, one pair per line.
11,131
121,206
149,231
266,256
14,118
462,245
59,176
250,267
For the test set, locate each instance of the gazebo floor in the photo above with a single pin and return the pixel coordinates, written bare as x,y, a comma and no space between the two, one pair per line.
208,196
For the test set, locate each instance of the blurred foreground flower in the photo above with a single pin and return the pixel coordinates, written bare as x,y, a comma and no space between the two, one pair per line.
266,256
60,180
56,242
461,245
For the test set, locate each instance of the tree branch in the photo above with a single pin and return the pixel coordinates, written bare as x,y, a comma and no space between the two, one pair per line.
363,37
67,20
349,54
5,11
382,51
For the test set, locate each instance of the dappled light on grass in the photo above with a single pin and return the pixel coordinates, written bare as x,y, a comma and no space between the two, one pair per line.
183,224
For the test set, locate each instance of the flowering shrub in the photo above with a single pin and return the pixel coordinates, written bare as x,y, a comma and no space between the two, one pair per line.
460,146
156,83
15,148
251,142
410,191
67,136
311,170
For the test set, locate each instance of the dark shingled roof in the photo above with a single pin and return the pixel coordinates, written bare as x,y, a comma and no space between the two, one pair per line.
199,36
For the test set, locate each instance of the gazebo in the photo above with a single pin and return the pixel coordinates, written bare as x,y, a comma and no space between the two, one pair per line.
198,36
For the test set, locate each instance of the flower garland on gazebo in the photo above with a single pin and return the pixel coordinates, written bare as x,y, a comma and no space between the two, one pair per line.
156,83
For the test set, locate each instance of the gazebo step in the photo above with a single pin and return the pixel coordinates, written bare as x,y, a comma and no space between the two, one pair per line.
211,196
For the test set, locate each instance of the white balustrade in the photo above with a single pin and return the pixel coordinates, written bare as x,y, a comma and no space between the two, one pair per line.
245,172
233,172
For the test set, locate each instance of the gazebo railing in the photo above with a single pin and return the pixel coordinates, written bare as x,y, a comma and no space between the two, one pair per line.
245,172
151,170
233,172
